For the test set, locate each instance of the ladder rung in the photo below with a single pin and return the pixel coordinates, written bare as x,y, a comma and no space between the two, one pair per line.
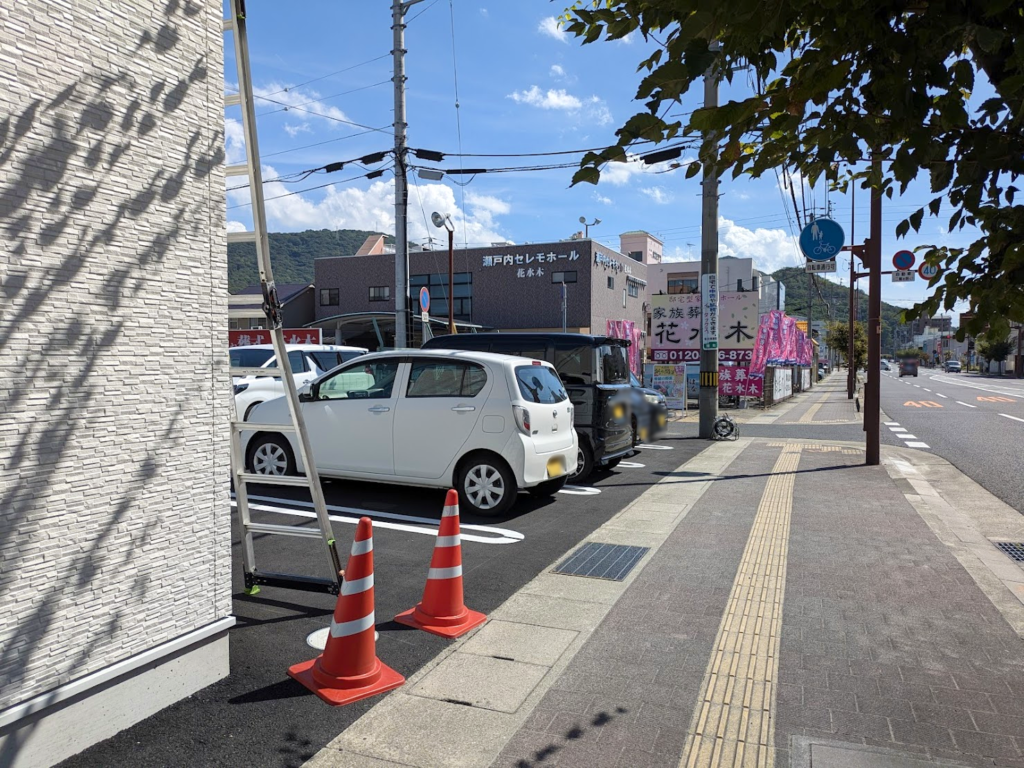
252,426
232,99
229,24
239,169
290,581
285,530
272,371
242,237
300,481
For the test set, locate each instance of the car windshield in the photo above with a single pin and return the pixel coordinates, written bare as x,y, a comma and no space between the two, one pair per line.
614,368
540,384
634,381
241,357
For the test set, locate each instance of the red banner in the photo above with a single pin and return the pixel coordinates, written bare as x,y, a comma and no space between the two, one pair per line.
262,336
736,380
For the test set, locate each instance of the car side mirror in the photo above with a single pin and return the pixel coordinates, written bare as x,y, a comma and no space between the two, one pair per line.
308,393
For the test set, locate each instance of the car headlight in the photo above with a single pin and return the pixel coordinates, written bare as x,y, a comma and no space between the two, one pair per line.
239,388
652,399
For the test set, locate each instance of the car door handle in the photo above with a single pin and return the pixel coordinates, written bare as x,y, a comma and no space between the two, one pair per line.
464,408
379,409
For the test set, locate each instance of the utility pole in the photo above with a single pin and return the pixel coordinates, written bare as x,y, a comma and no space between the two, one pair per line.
398,9
851,373
872,392
708,395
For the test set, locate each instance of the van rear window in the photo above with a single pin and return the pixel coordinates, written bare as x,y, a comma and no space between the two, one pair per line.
540,384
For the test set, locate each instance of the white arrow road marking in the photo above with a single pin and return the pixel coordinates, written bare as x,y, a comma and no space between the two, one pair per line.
966,404
500,535
1008,416
580,490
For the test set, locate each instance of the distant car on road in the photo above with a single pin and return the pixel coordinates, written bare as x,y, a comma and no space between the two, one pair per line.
487,425
307,361
908,367
650,412
952,366
886,366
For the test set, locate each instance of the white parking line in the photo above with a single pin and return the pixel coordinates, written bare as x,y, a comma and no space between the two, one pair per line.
578,490
1008,416
501,535
966,404
941,395
918,445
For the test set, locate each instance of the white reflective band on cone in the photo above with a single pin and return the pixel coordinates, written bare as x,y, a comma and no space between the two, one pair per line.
362,547
444,573
450,512
346,628
448,541
355,586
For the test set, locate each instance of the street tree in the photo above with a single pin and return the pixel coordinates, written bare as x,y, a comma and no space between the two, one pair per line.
911,353
833,83
993,349
837,337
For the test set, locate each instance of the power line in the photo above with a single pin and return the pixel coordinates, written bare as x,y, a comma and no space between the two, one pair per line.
371,174
323,99
290,88
321,114
410,21
369,159
458,120
328,141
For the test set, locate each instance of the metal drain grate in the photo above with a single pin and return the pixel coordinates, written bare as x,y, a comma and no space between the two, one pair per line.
602,561
1015,549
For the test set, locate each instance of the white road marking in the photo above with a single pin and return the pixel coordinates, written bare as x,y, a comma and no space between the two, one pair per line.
999,389
966,404
897,429
892,423
631,464
927,390
645,446
918,386
578,490
907,437
1008,416
500,535
918,445
941,395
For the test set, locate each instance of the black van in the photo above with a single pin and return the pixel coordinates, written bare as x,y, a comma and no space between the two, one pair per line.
595,372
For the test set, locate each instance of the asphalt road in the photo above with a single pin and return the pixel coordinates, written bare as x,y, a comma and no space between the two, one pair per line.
260,717
975,423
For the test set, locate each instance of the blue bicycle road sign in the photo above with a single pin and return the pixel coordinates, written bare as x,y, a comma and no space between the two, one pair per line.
822,240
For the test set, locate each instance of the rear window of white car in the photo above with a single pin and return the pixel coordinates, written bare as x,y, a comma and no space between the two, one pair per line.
540,384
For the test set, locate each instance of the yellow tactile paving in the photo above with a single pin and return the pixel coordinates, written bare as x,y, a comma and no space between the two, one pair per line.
732,722
808,417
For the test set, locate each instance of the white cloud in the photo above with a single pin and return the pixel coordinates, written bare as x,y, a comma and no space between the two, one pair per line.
295,130
373,208
591,108
771,249
236,226
658,195
305,103
484,12
602,199
620,174
551,27
628,39
234,141
557,70
553,98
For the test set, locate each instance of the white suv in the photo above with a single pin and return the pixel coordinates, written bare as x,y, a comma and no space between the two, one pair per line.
307,361
488,425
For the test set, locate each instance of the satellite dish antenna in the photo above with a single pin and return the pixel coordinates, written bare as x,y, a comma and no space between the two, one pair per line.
437,218
583,219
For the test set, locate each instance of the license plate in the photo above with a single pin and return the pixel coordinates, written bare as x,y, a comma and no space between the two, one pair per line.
556,466
662,420
619,412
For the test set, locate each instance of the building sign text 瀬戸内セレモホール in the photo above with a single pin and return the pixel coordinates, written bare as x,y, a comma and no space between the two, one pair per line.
529,264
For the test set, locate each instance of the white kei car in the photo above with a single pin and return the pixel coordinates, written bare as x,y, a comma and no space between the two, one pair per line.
307,362
485,424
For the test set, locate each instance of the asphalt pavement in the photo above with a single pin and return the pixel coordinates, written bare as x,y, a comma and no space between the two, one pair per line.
258,715
976,423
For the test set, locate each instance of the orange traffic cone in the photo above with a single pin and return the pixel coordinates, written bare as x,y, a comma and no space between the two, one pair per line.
441,611
348,670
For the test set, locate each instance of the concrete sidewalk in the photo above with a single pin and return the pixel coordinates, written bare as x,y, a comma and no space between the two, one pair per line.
794,608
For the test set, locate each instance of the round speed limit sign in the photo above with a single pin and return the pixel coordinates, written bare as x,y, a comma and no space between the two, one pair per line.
927,271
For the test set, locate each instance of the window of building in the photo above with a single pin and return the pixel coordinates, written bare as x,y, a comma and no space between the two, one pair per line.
429,378
438,286
563,277
380,292
636,255
633,288
623,297
683,284
611,282
329,297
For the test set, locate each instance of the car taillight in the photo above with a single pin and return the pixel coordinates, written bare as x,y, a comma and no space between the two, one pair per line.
522,419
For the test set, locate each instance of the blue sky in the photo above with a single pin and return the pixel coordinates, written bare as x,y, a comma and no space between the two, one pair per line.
523,86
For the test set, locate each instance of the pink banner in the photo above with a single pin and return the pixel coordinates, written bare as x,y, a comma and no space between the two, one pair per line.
626,329
736,380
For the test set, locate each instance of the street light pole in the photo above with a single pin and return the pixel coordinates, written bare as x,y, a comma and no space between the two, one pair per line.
445,222
872,392
586,226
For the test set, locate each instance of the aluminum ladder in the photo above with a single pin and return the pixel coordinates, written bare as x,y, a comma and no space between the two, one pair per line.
254,577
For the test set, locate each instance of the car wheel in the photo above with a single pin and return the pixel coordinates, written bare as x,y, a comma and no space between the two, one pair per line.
271,455
487,486
249,410
584,464
548,488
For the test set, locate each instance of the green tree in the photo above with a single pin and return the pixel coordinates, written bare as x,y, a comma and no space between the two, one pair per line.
911,353
836,81
837,336
992,348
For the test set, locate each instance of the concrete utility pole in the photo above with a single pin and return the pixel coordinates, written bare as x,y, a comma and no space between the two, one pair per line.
872,391
851,373
708,395
398,9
